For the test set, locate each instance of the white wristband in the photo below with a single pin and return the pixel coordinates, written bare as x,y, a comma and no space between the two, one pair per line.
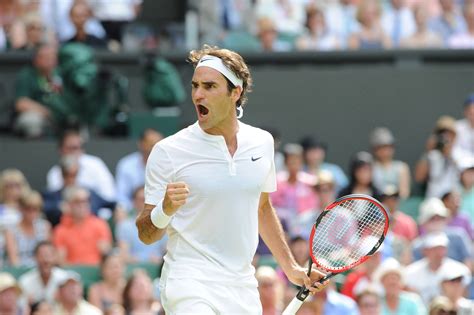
158,217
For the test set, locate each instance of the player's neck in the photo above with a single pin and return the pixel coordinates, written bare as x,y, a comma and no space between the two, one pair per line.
227,129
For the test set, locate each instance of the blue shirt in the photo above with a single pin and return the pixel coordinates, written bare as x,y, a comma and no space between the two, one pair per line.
130,175
126,231
443,28
409,304
338,304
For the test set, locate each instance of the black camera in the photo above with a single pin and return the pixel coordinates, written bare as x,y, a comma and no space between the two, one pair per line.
442,139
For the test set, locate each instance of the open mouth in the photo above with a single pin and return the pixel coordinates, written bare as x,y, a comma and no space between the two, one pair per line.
203,111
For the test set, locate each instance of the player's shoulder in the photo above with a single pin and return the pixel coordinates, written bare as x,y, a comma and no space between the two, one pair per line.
256,133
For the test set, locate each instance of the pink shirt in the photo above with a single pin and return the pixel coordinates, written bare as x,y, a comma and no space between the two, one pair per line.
404,226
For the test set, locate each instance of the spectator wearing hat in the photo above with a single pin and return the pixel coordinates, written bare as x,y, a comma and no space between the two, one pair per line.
453,285
401,224
464,144
70,299
314,158
457,218
270,289
361,171
9,296
268,36
295,194
396,301
369,301
441,305
423,276
434,218
387,171
437,167
41,282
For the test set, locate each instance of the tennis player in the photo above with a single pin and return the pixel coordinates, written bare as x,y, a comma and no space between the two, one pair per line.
208,185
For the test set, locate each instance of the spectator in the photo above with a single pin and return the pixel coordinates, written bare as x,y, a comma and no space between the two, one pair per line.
423,275
53,200
467,192
80,14
441,305
452,201
360,278
387,171
69,297
453,285
433,218
314,158
31,230
130,173
295,194
287,15
36,32
341,19
11,29
390,275
38,100
371,34
369,302
115,15
93,173
56,15
401,224
268,37
92,237
330,302
449,22
132,249
13,185
398,21
316,35
437,167
361,170
270,289
138,295
109,290
464,144
41,308
10,294
40,283
423,36
465,40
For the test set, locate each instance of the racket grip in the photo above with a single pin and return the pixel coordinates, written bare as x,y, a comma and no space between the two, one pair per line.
293,307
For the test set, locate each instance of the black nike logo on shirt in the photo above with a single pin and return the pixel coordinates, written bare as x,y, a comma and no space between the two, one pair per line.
255,159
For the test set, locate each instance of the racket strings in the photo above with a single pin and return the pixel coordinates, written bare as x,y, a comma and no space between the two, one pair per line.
348,232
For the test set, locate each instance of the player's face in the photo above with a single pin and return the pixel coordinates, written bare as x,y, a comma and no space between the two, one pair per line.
215,105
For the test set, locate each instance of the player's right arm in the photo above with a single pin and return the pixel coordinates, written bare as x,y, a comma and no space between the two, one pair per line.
175,196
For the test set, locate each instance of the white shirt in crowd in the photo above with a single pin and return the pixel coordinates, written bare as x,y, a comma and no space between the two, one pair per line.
425,281
93,174
33,287
463,150
117,10
214,236
406,23
461,41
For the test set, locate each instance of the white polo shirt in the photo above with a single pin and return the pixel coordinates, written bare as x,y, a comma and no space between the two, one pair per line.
214,236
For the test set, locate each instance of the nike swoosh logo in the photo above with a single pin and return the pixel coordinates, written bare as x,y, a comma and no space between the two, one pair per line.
255,159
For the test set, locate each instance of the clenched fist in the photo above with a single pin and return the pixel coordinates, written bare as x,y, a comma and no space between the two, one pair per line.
175,196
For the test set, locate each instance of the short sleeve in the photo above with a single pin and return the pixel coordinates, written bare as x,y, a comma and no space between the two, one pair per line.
270,184
159,172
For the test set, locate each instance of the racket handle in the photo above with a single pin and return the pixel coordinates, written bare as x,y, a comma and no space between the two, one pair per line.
293,307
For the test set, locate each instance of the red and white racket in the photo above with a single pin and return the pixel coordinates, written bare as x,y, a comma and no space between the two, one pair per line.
345,234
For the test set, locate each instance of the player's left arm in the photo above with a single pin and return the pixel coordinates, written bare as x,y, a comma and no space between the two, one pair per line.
272,233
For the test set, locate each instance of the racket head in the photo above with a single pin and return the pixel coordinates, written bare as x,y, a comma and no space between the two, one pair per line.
348,232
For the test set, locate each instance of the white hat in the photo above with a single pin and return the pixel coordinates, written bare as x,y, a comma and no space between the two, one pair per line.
435,239
450,272
70,275
7,281
431,207
389,265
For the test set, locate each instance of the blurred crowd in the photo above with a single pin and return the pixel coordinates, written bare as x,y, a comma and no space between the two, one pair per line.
245,25
85,216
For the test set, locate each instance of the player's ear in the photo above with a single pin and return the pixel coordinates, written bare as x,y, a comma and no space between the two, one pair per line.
236,92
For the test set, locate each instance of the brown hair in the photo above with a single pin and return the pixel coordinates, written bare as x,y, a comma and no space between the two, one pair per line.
231,60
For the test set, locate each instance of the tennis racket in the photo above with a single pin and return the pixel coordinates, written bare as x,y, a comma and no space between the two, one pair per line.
345,234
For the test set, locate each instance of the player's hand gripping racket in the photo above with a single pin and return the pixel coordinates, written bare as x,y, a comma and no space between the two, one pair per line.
345,234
